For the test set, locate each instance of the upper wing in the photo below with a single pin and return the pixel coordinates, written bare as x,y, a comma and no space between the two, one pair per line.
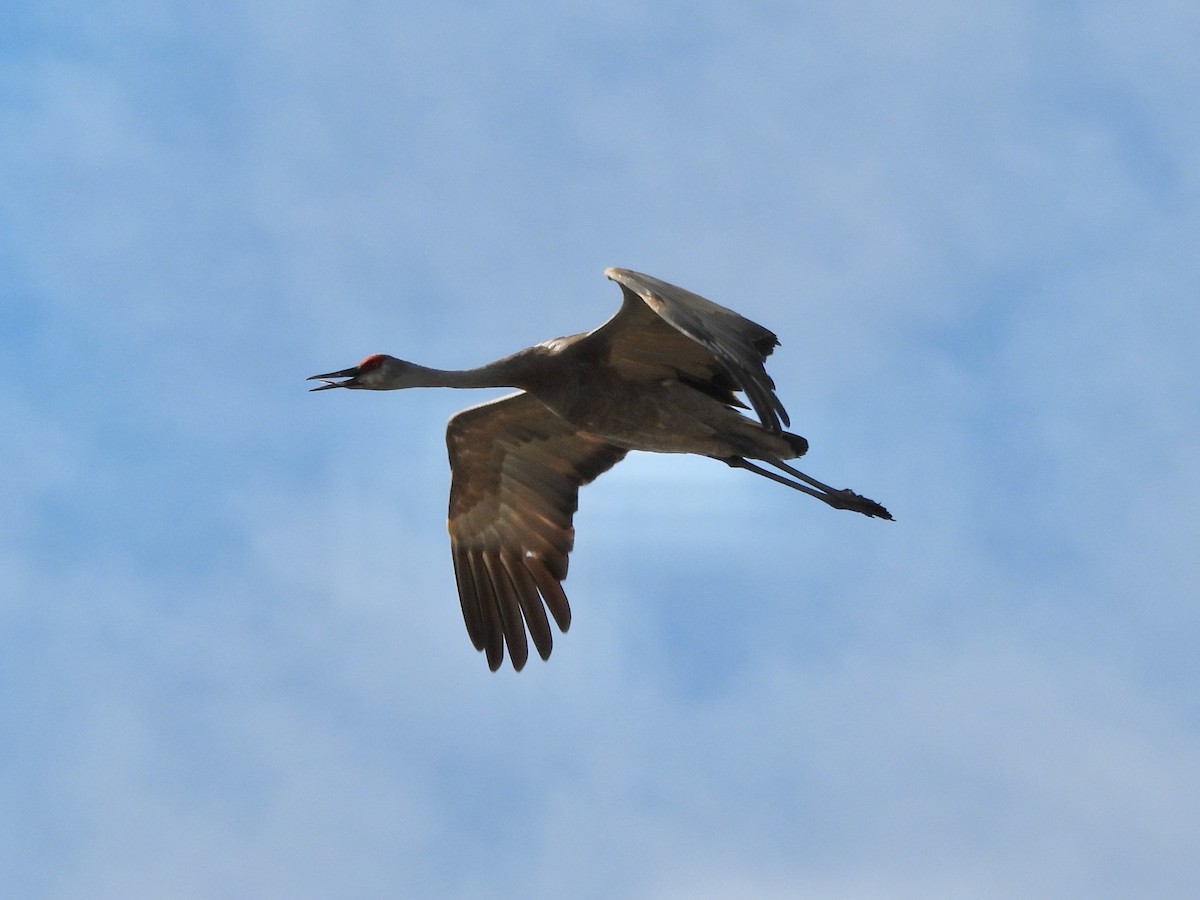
516,472
662,330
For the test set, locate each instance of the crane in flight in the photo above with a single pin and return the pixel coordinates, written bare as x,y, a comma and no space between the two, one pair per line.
661,375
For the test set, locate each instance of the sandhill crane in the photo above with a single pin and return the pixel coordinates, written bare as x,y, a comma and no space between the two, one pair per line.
660,375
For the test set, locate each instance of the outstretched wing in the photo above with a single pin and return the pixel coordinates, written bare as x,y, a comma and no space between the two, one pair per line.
664,331
516,472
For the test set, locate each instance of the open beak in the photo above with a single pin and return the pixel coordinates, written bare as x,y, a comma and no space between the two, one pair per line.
348,374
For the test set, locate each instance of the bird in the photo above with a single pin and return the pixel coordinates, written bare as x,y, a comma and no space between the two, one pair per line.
662,375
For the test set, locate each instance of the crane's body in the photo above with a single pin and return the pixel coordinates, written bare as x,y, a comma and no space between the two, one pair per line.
661,416
660,376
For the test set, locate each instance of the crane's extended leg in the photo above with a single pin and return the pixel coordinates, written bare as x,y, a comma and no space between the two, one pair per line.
838,499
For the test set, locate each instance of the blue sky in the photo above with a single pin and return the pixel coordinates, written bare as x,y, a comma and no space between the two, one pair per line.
231,658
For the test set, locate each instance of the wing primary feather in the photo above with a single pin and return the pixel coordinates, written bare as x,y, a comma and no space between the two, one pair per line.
510,611
489,605
468,597
531,604
552,592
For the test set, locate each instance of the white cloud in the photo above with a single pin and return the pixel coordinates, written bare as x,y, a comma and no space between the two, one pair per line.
231,646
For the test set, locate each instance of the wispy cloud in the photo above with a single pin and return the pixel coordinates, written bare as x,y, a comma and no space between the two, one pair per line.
231,654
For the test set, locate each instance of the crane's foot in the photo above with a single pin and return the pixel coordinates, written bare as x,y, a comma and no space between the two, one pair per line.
838,499
847,499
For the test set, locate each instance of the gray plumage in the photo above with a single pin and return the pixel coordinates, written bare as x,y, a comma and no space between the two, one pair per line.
661,375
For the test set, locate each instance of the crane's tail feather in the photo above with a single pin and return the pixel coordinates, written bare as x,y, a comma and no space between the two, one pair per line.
838,499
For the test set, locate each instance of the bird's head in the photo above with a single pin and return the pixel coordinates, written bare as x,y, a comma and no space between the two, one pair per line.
378,372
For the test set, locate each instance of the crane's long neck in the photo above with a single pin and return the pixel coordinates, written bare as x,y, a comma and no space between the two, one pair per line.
512,371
